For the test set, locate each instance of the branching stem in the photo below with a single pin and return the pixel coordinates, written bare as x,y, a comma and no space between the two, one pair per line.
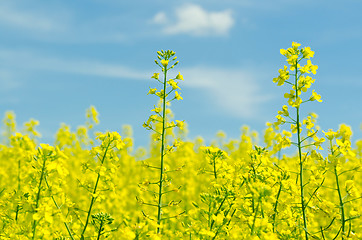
301,170
94,192
159,206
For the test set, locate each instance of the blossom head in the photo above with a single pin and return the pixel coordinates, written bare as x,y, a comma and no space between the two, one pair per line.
315,97
330,134
179,76
164,62
156,75
178,96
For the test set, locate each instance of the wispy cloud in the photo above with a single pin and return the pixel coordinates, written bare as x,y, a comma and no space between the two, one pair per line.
236,92
29,19
194,20
50,23
32,61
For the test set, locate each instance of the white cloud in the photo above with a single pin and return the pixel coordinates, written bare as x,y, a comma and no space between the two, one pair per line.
102,69
17,59
50,23
31,20
194,20
160,18
236,92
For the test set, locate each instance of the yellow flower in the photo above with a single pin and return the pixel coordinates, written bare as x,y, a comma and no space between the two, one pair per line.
164,62
352,190
344,131
160,93
294,128
180,124
291,98
315,96
152,91
177,96
120,144
283,52
173,84
283,76
205,232
313,68
179,76
284,112
305,82
295,45
290,95
46,149
156,110
36,216
156,75
307,53
218,219
308,122
330,134
318,142
280,119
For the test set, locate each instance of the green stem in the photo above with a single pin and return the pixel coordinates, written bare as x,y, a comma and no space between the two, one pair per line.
19,166
218,210
300,156
224,222
322,234
341,203
276,205
94,192
17,212
215,175
159,206
56,204
18,206
38,194
100,231
254,220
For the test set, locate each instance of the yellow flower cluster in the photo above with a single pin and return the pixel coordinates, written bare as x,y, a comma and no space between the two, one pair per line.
294,56
253,195
101,188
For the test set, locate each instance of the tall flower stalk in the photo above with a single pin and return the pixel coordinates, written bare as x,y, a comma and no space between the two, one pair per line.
301,83
159,122
103,153
338,153
44,161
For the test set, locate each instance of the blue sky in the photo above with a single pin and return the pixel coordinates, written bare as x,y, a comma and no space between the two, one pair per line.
59,57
